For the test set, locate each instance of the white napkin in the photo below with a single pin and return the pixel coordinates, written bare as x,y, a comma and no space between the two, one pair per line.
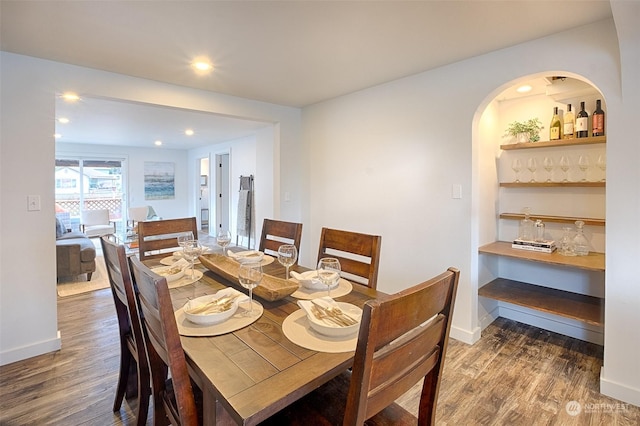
310,280
229,291
246,255
182,263
325,302
178,254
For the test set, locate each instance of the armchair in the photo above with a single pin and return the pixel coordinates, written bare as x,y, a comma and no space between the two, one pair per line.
96,223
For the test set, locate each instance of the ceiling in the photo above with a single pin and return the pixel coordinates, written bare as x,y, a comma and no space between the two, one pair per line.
293,53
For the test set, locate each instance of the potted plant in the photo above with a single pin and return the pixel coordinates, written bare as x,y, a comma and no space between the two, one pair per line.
525,131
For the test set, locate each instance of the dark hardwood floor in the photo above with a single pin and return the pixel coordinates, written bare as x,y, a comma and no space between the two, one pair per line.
515,375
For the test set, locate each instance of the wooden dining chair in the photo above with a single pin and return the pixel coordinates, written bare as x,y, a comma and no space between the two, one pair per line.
359,254
403,340
157,236
277,232
132,346
173,398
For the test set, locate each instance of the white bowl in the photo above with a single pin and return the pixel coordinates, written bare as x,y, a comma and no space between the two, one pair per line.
170,273
249,256
334,330
210,318
310,280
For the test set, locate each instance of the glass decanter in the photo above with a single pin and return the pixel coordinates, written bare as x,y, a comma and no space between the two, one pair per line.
525,232
566,243
580,242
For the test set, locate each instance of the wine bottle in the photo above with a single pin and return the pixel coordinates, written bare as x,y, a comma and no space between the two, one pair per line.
582,123
598,120
555,128
569,124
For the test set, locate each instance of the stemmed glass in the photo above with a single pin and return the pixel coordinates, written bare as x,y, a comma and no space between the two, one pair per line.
250,275
516,165
548,166
287,256
329,272
583,164
184,238
532,165
602,165
565,165
192,249
223,239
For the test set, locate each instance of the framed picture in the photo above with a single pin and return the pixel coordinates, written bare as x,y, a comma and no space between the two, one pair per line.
203,180
159,180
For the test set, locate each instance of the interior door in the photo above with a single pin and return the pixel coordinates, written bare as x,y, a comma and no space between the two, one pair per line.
223,196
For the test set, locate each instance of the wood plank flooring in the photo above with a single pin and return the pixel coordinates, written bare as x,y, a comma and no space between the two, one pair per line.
515,375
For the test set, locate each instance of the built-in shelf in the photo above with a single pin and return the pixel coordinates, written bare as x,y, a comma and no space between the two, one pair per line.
561,142
552,184
592,262
576,306
555,219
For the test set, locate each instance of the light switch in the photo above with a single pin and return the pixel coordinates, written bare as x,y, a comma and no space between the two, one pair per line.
456,191
33,203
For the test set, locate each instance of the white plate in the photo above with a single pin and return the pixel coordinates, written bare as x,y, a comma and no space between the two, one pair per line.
236,322
309,280
344,288
297,329
163,271
334,330
186,278
213,318
248,256
170,260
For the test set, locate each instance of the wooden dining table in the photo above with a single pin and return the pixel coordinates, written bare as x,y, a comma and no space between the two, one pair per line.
255,371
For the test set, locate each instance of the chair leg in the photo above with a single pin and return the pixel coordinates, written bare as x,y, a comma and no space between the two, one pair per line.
123,377
144,394
89,276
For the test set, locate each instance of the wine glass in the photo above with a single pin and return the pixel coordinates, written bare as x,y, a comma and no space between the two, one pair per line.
516,165
249,276
548,166
223,238
184,238
287,256
532,165
583,164
329,272
565,165
602,165
192,249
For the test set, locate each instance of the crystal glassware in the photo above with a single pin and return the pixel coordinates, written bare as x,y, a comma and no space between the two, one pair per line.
526,226
516,165
287,256
548,166
184,238
583,164
566,243
580,242
565,165
223,239
532,165
329,272
602,165
249,276
192,249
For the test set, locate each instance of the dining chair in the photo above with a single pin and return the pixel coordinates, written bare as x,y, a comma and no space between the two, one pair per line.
359,254
173,398
277,232
156,237
132,346
402,341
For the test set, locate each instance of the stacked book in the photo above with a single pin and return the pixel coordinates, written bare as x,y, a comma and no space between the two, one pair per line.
546,246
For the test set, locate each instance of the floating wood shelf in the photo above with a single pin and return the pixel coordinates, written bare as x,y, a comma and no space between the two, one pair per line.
562,142
555,219
552,184
592,262
588,309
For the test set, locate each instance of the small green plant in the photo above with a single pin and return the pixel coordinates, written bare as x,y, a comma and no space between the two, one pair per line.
531,127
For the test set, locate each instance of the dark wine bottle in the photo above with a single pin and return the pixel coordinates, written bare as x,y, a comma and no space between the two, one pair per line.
582,123
598,120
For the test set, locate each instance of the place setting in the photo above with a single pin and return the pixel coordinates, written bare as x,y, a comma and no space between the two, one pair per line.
325,280
179,273
225,311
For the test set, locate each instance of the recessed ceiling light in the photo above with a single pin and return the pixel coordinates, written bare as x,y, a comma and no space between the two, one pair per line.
524,89
63,120
202,65
71,97
158,143
188,132
57,135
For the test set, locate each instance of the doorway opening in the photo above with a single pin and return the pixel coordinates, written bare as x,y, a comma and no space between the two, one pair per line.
223,196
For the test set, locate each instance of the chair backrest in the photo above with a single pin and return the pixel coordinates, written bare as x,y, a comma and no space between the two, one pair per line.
359,254
164,348
94,217
155,237
402,339
138,214
277,232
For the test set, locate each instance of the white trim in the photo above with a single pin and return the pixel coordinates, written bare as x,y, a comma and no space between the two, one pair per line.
619,391
30,351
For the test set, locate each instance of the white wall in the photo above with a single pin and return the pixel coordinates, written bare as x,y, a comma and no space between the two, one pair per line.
29,87
384,160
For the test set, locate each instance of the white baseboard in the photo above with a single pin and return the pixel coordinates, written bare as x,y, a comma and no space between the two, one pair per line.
619,391
30,351
465,336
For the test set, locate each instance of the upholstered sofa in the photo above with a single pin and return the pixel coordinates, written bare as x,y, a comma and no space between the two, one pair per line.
75,253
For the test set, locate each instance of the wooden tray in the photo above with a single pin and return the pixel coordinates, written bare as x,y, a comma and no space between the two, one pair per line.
270,288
